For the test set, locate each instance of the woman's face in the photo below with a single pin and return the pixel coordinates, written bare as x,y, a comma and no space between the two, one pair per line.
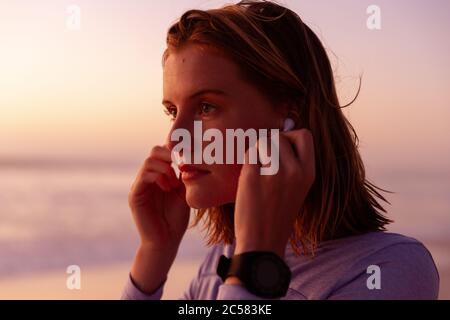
201,85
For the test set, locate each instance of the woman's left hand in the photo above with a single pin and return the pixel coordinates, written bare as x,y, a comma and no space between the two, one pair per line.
268,205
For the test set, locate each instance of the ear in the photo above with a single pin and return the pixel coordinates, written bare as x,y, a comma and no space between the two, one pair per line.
288,110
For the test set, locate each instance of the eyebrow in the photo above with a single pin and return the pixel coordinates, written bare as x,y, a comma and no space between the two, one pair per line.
199,93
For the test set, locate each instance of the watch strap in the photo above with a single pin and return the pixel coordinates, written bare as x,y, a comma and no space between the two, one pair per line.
243,267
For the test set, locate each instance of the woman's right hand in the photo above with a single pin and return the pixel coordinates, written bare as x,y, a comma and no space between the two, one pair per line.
157,202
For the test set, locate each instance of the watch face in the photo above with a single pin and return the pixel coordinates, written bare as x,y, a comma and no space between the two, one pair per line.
267,274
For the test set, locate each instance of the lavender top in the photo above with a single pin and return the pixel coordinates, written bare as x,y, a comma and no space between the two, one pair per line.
375,265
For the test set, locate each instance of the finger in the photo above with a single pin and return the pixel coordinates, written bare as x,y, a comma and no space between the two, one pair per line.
175,160
181,191
251,159
161,153
163,183
267,146
288,158
164,168
269,154
148,178
303,142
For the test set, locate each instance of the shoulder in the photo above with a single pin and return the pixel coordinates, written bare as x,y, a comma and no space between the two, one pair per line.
403,265
375,244
394,249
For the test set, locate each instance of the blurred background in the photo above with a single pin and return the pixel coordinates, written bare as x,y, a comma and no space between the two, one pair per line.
80,108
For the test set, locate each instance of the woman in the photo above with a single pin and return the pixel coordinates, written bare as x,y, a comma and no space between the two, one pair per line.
313,230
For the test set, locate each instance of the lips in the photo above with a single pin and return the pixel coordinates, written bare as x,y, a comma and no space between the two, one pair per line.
190,172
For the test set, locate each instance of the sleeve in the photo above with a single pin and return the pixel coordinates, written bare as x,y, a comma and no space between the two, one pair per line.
402,271
199,288
191,291
235,292
202,287
132,292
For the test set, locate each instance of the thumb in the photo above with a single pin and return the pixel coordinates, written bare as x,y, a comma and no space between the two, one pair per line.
251,160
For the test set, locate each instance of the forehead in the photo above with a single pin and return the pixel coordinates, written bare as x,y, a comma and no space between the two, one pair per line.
195,67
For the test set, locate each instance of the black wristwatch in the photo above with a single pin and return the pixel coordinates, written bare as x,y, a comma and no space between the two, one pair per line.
263,273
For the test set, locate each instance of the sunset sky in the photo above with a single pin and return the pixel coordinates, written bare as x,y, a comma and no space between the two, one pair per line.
96,92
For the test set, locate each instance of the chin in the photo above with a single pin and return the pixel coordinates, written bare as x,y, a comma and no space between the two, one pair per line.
199,198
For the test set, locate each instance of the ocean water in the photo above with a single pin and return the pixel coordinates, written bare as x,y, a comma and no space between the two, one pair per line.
54,215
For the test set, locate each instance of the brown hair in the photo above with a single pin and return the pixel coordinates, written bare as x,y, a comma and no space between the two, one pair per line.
283,57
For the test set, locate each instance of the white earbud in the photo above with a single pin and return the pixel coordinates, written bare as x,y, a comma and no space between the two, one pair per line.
289,124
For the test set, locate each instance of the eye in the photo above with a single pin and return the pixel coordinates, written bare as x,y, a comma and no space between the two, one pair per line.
206,109
171,111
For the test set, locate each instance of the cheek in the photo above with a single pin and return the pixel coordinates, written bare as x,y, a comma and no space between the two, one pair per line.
228,175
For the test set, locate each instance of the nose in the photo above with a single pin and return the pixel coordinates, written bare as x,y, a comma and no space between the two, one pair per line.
183,123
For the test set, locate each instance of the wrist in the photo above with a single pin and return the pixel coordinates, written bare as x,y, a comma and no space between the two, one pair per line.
233,280
247,247
145,246
150,268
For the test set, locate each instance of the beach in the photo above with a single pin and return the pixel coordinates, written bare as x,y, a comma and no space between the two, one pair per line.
80,217
107,282
97,283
